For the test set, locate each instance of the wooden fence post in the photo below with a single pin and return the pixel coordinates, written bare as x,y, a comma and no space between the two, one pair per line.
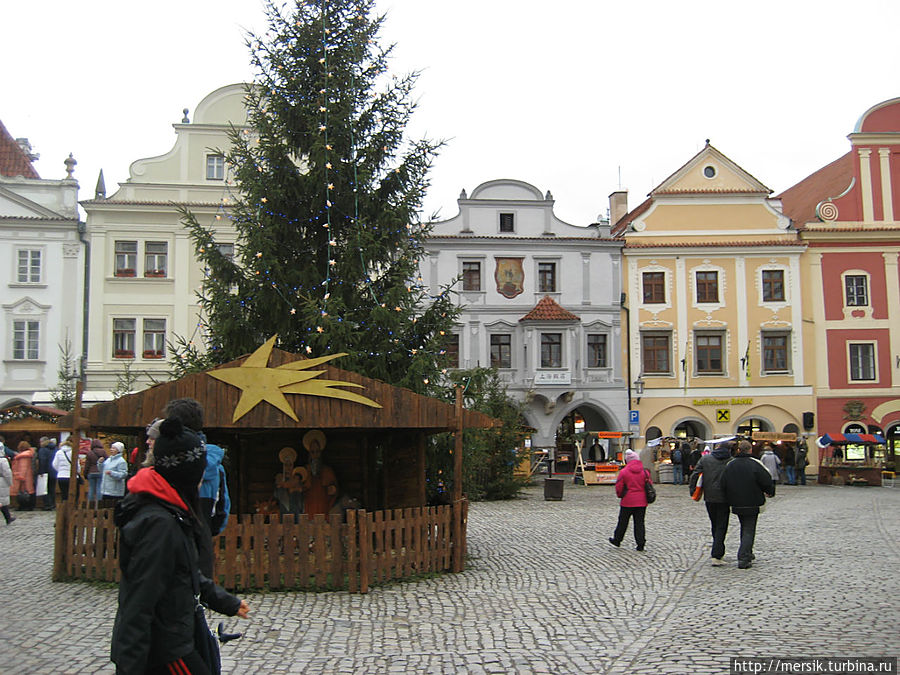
364,542
64,511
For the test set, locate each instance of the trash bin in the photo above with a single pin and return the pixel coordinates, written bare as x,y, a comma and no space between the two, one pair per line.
553,489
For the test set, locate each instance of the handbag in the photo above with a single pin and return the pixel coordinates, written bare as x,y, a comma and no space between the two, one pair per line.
205,643
40,486
649,490
698,491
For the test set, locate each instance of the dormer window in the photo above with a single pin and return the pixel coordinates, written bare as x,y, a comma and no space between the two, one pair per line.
507,222
215,167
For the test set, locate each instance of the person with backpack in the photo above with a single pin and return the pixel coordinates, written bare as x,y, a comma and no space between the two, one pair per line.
711,467
633,500
677,469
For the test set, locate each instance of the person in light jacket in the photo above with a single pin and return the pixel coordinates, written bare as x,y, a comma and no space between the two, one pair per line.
770,461
633,500
5,483
62,464
115,471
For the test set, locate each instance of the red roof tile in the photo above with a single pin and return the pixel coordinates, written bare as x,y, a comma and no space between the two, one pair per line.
13,160
548,309
713,244
799,202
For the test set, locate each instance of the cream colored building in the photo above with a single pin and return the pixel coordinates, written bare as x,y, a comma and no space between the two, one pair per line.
143,273
718,331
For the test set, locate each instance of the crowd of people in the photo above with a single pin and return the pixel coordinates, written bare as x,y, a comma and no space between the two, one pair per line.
786,462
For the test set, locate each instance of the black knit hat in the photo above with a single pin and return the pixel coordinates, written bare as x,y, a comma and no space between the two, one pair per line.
179,455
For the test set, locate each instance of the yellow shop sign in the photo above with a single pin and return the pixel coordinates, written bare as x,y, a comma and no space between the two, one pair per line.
723,401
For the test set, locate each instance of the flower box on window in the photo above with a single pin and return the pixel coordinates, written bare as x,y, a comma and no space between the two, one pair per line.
152,354
125,272
123,354
155,273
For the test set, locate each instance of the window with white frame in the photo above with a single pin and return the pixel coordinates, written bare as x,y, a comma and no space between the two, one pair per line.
154,338
123,338
471,275
773,285
501,351
126,259
26,339
654,287
551,350
862,361
707,286
28,266
656,351
708,349
596,350
776,351
156,255
547,277
856,287
215,167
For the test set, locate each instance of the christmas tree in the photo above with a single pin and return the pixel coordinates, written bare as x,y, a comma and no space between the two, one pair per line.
327,208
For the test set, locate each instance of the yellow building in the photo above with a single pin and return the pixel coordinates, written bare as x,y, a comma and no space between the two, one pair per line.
716,323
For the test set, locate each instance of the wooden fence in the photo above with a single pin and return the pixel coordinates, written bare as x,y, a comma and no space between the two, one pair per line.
296,552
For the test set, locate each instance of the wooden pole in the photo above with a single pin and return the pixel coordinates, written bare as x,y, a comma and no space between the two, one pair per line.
64,511
458,446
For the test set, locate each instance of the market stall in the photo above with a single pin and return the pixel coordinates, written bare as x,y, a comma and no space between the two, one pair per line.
851,459
601,464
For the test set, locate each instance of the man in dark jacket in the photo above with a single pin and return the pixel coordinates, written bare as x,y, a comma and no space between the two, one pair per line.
46,453
746,483
711,467
154,627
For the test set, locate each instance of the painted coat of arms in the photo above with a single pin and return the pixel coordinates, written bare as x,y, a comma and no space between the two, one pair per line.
509,276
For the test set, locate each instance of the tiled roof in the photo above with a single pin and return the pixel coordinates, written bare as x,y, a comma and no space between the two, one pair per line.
124,202
548,309
799,202
710,191
714,244
13,160
470,237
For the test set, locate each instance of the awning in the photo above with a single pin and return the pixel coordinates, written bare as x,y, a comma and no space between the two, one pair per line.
853,439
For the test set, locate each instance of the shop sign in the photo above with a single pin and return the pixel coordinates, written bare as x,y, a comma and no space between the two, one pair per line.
722,401
553,377
723,415
773,436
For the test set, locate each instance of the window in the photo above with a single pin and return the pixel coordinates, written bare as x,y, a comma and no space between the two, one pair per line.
29,266
452,350
155,256
596,351
547,277
862,361
501,351
708,351
126,258
551,350
154,338
707,286
471,276
857,287
123,338
507,222
26,340
775,352
654,287
773,285
215,167
655,353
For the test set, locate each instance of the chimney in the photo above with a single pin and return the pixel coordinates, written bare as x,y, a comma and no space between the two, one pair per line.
618,206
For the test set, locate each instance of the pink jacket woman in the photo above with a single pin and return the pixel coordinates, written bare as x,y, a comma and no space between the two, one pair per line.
23,470
630,484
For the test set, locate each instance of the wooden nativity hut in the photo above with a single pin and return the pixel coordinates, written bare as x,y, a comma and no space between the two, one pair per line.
256,407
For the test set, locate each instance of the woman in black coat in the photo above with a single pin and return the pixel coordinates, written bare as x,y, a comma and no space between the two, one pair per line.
154,627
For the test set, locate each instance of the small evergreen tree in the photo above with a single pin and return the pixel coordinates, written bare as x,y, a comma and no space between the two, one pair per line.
125,381
490,456
63,396
329,237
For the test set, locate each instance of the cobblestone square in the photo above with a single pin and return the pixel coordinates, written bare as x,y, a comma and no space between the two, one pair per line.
543,592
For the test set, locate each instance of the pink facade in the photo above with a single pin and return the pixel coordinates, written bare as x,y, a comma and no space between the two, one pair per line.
839,369
835,264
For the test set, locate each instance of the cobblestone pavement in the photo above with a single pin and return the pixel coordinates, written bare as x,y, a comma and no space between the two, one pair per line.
543,592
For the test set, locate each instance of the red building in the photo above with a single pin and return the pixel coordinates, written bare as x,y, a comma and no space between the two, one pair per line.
846,212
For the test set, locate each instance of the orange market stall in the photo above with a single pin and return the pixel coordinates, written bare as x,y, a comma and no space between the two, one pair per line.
605,470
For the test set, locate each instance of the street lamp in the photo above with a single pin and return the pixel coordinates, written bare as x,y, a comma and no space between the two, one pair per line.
638,388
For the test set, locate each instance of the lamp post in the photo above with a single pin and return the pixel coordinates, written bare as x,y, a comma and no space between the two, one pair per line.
638,388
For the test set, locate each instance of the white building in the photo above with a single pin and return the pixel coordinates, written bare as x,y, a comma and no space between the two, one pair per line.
143,272
541,302
42,268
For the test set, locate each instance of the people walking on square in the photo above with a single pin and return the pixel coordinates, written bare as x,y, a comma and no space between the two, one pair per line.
6,480
695,452
787,462
115,471
633,500
770,461
711,467
23,476
801,461
159,527
746,483
677,468
95,456
62,464
46,453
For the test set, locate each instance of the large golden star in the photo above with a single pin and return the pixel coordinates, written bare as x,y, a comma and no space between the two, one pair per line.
259,383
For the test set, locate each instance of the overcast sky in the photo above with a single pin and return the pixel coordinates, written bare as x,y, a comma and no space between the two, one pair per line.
566,95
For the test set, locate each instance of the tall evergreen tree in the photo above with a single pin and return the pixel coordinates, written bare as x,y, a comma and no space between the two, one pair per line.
329,236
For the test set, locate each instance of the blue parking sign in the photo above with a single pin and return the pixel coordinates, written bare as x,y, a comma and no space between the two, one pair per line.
634,416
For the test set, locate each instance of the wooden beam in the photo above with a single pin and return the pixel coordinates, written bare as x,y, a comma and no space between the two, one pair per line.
64,511
458,446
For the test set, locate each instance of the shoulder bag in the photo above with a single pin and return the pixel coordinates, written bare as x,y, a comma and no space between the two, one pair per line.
649,490
205,643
